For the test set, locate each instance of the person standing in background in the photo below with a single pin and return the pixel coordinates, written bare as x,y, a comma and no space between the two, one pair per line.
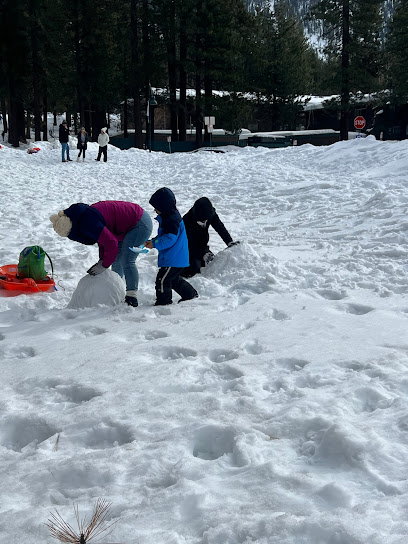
103,140
64,139
82,143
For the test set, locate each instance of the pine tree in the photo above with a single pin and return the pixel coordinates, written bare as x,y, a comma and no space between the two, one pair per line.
397,53
352,29
280,68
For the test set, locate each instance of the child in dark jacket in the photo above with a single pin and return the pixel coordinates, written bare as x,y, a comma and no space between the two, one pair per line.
197,221
171,243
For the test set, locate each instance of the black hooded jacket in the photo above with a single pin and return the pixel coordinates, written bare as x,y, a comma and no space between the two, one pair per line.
63,134
198,236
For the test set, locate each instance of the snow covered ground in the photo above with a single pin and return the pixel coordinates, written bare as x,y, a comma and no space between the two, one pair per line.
272,409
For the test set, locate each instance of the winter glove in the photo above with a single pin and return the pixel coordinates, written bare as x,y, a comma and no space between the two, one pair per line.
233,243
208,257
96,268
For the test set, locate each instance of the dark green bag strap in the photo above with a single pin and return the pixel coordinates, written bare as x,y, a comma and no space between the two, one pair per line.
52,267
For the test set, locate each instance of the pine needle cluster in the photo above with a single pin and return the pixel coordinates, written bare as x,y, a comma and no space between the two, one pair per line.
87,531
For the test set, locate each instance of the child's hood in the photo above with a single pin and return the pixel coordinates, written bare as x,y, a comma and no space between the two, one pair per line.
203,209
163,200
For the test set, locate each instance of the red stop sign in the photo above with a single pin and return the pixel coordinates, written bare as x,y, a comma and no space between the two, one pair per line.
359,122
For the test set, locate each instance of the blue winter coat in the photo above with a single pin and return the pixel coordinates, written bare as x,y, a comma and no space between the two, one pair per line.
171,240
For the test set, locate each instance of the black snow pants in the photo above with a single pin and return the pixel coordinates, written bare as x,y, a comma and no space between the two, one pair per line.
103,150
169,278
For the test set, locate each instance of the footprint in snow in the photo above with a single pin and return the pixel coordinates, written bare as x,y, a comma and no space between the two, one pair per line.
332,295
77,394
358,309
55,391
83,332
292,363
92,331
212,442
222,355
277,315
154,335
254,347
17,432
98,435
367,399
21,352
175,352
228,372
72,478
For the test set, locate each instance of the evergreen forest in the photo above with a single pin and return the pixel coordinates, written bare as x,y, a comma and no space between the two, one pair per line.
90,58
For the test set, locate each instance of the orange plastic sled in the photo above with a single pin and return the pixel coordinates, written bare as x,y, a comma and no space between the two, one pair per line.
18,286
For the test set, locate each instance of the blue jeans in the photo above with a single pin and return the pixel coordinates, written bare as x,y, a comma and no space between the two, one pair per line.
125,262
65,147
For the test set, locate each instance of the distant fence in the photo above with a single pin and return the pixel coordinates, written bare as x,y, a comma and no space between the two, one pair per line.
160,143
270,140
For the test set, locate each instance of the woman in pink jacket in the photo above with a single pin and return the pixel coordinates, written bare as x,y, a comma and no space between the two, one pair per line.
115,226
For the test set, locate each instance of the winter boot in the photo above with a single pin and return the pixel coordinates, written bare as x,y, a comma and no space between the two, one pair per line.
77,159
131,298
132,301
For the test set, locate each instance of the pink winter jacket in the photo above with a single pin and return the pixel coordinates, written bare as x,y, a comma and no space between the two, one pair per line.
120,218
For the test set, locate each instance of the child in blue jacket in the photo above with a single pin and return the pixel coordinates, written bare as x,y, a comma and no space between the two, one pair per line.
172,245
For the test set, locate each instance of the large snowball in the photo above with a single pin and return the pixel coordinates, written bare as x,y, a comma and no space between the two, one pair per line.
106,288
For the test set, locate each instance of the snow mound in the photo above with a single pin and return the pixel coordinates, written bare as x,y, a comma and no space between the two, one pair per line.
106,289
242,268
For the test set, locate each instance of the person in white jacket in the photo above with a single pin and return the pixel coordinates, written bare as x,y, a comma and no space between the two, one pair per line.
103,140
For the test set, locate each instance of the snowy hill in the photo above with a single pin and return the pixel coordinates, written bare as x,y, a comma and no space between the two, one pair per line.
272,409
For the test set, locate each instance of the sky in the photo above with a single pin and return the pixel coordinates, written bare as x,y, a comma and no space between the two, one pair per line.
272,409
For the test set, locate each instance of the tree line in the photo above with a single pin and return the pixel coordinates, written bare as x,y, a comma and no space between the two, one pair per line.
88,58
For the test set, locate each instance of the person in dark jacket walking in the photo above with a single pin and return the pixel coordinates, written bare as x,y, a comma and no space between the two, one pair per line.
82,143
64,138
197,222
171,242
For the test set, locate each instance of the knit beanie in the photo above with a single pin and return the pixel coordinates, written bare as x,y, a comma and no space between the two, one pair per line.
62,223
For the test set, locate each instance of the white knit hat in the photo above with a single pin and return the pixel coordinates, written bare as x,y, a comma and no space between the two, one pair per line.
104,129
62,223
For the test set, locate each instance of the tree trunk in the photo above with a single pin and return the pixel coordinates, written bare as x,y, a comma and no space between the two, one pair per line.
78,62
125,118
45,116
345,71
28,126
36,71
13,135
198,114
152,127
136,81
183,81
172,69
207,100
4,115
21,123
